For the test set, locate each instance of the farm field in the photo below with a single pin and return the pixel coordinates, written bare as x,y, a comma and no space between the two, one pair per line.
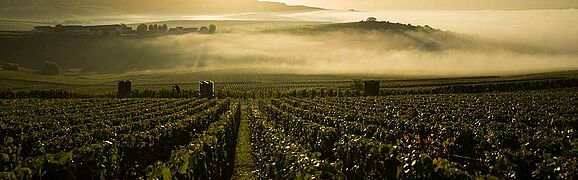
243,80
110,138
451,136
523,134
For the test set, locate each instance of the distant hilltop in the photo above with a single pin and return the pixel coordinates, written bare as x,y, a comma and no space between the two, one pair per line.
66,9
118,30
372,23
405,36
369,24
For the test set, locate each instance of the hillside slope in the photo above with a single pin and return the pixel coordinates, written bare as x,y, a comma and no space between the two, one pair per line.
237,43
396,35
71,9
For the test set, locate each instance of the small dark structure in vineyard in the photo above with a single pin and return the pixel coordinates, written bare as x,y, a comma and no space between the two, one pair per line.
207,89
371,88
124,89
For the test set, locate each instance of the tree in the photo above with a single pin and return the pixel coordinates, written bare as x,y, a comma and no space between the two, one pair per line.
151,27
165,27
371,19
204,30
212,28
142,28
59,28
50,68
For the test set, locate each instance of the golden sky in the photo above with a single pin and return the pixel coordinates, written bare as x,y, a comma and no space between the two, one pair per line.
436,4
211,5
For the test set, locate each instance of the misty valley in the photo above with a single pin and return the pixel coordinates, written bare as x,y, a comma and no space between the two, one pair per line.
385,48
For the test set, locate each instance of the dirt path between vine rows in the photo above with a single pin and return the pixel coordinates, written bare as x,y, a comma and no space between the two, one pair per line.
244,162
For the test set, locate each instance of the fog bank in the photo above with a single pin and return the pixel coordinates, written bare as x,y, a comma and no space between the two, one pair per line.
468,43
360,53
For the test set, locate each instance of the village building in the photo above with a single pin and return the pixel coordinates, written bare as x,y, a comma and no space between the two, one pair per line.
109,30
191,29
43,29
101,30
179,30
70,30
115,30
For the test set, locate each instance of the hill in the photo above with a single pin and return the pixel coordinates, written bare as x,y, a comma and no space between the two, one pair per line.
370,26
367,47
121,54
376,33
71,9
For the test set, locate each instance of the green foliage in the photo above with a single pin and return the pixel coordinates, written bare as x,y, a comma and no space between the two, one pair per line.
40,94
453,136
204,30
164,93
206,157
519,135
481,86
212,28
99,138
281,158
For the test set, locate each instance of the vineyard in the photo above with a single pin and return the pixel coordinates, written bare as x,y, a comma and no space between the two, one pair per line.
505,135
109,138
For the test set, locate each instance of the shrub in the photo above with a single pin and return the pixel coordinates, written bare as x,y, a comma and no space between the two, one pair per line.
204,30
212,28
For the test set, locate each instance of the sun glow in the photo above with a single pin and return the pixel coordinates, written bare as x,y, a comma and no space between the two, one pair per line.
434,4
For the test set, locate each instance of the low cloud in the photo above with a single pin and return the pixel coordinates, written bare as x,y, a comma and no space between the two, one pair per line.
361,53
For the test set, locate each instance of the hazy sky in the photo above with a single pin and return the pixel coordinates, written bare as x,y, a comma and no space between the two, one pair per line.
436,4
